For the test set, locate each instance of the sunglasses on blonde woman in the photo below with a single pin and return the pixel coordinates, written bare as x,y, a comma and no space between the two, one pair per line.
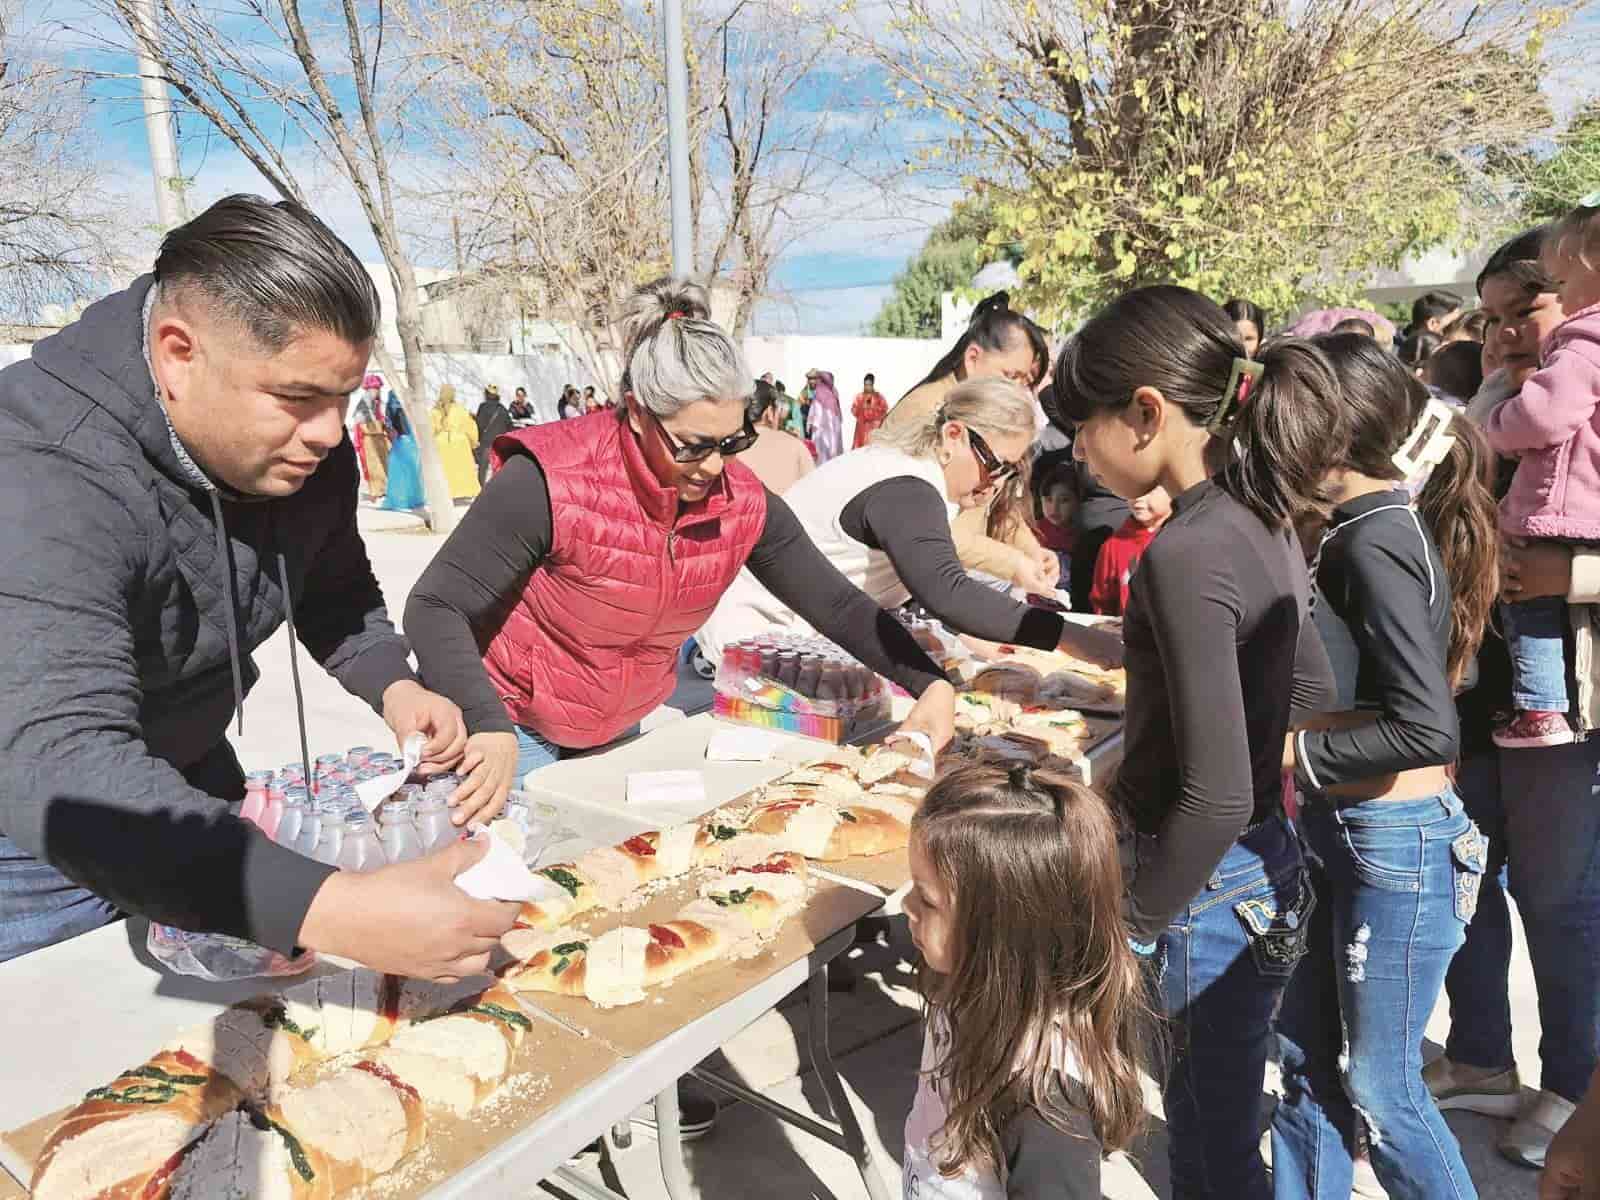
993,466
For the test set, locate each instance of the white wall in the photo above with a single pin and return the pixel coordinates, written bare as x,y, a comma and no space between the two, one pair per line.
898,363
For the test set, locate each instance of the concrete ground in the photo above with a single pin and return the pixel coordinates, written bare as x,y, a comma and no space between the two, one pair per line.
875,1035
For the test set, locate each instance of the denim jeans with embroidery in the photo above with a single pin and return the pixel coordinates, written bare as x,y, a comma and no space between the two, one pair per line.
1397,883
1223,962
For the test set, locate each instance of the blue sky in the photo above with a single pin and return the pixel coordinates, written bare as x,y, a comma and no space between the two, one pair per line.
831,280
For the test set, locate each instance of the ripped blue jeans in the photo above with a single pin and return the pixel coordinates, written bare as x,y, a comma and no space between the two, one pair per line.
1223,963
1397,882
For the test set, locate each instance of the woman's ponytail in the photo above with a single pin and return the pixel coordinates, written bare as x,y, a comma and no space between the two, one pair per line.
673,354
1458,504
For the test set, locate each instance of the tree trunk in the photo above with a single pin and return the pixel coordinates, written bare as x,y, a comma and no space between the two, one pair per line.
408,320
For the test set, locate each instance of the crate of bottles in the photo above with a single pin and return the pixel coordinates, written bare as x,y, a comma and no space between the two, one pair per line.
324,819
799,684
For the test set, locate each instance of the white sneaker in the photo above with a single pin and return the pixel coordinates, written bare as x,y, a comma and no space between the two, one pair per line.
1364,1183
1471,1089
1530,1135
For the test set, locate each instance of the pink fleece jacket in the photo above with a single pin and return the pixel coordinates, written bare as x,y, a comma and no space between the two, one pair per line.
1553,426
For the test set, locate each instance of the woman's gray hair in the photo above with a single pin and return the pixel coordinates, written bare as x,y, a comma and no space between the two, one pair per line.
993,405
674,354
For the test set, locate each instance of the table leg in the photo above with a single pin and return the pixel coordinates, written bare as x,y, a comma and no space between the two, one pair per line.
828,1076
674,1172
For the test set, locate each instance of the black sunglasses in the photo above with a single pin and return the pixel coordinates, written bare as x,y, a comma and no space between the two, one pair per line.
987,459
729,446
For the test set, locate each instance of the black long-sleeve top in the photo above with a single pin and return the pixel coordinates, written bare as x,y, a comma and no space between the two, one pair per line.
1383,610
464,596
904,517
1218,654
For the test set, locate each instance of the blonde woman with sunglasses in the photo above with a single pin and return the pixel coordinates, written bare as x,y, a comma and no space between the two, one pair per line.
881,515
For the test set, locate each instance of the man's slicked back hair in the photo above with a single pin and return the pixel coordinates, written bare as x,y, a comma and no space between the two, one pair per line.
275,269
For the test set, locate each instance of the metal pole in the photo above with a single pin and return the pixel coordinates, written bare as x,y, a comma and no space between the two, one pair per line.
678,136
171,208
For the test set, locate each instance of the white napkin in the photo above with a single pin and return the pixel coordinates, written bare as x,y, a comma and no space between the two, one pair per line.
374,792
923,763
742,745
498,875
667,787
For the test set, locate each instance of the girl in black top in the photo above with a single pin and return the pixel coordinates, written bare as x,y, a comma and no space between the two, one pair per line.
1403,596
1217,892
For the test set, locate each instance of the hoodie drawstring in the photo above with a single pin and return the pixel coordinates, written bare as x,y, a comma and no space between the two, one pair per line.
232,606
294,670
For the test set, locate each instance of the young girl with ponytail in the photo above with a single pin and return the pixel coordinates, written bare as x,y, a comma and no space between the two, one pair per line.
1218,651
1404,590
1036,1014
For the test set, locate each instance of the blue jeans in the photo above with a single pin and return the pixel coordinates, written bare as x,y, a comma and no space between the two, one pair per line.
535,751
1224,961
1536,635
1542,818
1398,881
39,906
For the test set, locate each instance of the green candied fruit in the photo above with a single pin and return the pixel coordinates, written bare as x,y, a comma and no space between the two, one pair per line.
565,878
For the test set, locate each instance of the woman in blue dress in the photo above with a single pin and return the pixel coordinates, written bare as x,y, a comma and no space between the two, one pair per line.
405,467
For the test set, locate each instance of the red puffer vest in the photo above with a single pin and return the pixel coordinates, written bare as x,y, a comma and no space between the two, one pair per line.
592,645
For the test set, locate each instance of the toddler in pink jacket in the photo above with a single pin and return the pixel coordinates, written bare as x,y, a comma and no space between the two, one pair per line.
1553,427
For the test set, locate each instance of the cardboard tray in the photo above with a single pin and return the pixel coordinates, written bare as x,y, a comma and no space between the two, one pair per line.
888,873
634,1028
551,1065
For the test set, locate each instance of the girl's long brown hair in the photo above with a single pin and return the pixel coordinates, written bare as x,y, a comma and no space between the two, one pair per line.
1276,452
1037,937
1457,502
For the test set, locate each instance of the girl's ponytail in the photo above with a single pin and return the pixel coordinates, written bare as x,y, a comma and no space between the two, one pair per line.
1390,412
1457,502
1288,435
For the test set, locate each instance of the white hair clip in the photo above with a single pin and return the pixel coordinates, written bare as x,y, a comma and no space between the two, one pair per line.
1426,446
1592,200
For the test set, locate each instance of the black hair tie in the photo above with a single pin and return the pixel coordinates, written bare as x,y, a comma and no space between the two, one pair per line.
1020,777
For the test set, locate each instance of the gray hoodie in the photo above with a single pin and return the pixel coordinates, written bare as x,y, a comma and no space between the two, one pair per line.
132,593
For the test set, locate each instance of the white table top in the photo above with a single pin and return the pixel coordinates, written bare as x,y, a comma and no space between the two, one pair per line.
597,786
82,1010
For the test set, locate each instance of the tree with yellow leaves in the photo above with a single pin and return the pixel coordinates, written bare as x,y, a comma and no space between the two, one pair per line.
1277,149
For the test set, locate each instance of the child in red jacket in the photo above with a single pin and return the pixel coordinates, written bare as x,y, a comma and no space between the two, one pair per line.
1115,564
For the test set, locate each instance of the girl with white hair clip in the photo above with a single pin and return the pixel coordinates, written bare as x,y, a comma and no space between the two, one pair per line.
1405,577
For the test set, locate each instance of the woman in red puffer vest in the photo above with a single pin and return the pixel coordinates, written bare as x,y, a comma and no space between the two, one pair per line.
554,613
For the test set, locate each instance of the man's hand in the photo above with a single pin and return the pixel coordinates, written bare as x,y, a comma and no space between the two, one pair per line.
1101,647
1572,1164
409,708
410,918
490,767
934,714
1038,575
